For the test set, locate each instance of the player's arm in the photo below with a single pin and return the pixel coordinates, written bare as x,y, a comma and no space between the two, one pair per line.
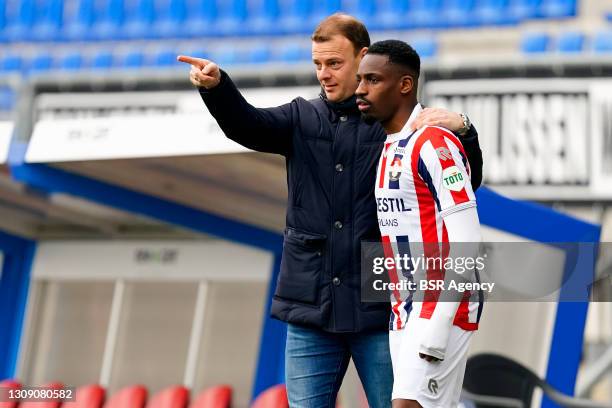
441,167
454,122
266,130
463,228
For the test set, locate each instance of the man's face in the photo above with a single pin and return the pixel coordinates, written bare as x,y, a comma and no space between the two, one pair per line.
378,92
336,62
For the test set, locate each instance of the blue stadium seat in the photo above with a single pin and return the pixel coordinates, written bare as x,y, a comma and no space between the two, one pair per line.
232,18
364,10
535,43
425,47
570,42
40,63
48,21
293,53
108,22
558,8
520,10
170,19
459,13
134,59
425,14
103,60
322,9
263,17
11,63
602,42
296,17
139,19
71,62
166,58
18,27
226,56
2,16
77,26
494,12
201,18
7,99
391,15
259,54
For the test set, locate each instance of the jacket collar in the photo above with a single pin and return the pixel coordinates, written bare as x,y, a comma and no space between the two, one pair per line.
346,107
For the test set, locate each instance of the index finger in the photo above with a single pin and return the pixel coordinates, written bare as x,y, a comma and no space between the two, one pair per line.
196,62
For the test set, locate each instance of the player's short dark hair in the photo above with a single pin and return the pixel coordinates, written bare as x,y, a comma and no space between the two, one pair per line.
399,53
345,25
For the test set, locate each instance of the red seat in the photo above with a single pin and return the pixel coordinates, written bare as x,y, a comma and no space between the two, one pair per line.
88,396
273,397
45,404
9,385
129,397
172,397
219,396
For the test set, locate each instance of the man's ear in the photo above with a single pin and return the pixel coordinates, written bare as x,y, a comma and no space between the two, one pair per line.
363,51
406,84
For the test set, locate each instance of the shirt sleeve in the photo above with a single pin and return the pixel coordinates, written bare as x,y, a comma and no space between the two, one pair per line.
442,165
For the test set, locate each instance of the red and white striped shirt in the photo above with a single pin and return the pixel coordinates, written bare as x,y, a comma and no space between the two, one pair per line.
422,177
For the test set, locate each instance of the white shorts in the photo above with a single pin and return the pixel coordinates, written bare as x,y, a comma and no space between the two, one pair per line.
433,384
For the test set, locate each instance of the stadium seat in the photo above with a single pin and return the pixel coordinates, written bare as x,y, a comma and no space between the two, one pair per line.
391,15
134,59
570,42
88,396
425,47
103,60
493,12
322,9
18,27
425,14
491,377
76,26
12,385
231,19
129,397
172,397
259,54
520,10
40,63
263,17
139,19
108,22
296,16
364,10
458,13
294,53
165,58
273,397
602,42
558,8
71,62
48,21
213,397
535,43
11,63
201,18
46,403
170,19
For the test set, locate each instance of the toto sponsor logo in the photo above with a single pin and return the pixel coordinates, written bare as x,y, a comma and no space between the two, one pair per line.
156,256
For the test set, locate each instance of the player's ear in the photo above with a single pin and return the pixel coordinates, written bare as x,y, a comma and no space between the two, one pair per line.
406,84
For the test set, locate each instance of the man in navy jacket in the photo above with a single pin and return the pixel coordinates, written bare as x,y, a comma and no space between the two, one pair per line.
331,157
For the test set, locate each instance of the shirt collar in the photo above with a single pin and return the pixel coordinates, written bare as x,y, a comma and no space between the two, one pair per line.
405,132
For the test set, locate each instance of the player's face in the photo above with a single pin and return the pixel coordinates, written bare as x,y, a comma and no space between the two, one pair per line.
378,92
336,62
